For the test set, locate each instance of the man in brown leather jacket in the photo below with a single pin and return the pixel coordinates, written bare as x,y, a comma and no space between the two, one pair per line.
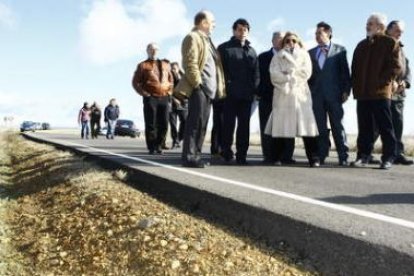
154,82
375,66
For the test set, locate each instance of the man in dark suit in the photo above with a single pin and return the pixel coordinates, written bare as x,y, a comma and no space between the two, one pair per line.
265,93
330,85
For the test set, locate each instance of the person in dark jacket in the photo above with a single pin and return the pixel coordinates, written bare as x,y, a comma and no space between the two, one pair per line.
179,110
265,94
330,85
375,66
96,114
111,114
395,29
241,72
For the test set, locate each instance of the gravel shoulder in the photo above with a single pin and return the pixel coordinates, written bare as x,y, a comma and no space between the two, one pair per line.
63,215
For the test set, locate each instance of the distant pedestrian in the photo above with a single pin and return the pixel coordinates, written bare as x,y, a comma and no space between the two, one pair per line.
96,114
154,82
84,118
111,114
292,114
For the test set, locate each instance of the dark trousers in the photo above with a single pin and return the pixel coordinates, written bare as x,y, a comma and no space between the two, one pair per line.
156,110
267,141
397,109
236,110
199,106
333,109
177,133
218,127
95,128
372,114
310,143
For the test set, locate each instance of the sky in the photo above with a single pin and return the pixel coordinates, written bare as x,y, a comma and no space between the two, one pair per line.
55,55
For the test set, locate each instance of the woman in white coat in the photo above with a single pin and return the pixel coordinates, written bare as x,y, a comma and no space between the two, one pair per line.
292,114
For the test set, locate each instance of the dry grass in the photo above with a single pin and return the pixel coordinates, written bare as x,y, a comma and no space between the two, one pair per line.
72,218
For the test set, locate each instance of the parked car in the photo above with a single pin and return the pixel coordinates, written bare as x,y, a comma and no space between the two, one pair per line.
126,128
38,126
28,126
45,126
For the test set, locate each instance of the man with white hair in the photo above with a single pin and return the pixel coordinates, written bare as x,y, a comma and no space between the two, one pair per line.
375,67
153,80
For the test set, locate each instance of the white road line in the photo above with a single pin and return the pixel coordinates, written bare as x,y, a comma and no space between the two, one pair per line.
333,206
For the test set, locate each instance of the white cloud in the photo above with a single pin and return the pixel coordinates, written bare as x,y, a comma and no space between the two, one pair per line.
112,31
276,24
7,16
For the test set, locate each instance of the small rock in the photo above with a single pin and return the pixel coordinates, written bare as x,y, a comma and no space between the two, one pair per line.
175,264
183,247
63,254
147,238
147,223
110,233
412,245
196,269
54,262
363,233
163,243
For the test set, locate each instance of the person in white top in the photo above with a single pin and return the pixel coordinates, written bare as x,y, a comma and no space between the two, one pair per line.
292,114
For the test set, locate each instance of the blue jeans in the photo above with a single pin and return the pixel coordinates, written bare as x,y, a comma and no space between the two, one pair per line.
85,128
111,129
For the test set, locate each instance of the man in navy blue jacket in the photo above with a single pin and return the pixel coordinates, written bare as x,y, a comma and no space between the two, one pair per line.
330,85
241,71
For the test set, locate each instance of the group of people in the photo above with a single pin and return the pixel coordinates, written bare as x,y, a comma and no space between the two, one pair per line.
89,119
301,94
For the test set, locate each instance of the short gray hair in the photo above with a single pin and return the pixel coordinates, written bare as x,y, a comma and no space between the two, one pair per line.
278,34
380,18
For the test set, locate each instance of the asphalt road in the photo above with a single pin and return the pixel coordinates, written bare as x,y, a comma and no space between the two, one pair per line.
367,204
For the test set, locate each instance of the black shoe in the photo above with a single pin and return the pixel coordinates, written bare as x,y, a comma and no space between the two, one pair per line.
373,161
277,163
315,164
165,147
227,156
385,165
195,164
343,163
402,160
359,163
159,152
289,161
151,152
242,161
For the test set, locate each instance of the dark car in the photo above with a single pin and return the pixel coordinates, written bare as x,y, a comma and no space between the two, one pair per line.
45,126
126,128
27,126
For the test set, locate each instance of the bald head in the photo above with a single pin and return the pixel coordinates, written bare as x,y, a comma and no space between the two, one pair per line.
204,21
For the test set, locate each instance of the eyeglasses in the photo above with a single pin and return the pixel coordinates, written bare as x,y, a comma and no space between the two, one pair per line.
294,41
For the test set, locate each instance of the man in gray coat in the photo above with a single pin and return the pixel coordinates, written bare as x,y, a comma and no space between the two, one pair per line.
330,85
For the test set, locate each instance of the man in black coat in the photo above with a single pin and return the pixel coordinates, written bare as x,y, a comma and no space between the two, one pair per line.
265,94
241,71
